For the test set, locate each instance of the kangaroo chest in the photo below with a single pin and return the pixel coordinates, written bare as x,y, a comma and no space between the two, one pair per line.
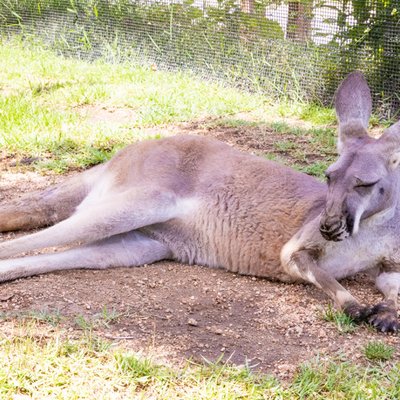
355,254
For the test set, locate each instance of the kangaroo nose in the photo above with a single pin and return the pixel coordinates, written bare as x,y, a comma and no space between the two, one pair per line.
333,229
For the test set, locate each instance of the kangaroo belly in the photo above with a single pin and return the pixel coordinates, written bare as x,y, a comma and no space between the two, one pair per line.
221,245
242,219
215,237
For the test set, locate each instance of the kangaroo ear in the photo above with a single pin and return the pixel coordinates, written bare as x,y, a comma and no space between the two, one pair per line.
353,106
391,143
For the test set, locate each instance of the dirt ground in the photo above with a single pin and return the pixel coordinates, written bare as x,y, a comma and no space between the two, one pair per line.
180,311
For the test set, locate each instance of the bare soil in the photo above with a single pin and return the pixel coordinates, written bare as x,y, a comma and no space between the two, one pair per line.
179,311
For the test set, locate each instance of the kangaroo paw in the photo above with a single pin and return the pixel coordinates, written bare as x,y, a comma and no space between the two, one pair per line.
357,312
383,317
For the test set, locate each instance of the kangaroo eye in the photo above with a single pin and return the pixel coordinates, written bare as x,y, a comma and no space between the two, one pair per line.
366,184
364,188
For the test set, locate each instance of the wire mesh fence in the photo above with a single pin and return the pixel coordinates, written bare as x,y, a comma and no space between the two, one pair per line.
296,50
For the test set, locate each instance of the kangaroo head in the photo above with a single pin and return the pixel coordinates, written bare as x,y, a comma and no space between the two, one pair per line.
364,182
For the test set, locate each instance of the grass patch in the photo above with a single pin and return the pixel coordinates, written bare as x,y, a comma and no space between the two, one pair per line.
342,321
104,319
378,351
285,145
52,318
317,115
324,138
227,122
307,150
84,324
109,317
344,380
141,371
316,169
38,363
65,112
281,127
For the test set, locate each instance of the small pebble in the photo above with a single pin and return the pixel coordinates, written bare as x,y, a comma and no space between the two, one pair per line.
192,322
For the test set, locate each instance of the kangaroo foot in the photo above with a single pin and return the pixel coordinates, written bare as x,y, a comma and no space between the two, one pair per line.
383,317
357,312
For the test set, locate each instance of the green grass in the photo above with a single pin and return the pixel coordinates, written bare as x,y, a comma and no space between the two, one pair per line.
342,321
85,324
316,169
232,122
281,127
378,351
109,317
61,110
42,363
317,114
103,319
66,114
309,150
340,379
285,145
52,318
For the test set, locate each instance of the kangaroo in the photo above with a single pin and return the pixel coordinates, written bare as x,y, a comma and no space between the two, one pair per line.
197,200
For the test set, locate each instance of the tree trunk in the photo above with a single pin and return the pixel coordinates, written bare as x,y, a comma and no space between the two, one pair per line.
299,20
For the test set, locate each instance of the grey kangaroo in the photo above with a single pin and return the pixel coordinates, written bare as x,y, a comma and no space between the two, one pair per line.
197,200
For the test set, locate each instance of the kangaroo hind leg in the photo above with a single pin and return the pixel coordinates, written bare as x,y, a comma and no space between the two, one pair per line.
120,213
126,250
49,206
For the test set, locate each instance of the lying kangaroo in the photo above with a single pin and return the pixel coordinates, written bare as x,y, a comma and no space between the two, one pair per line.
197,200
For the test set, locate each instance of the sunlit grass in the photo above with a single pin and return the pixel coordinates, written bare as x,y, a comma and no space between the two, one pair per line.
343,380
57,109
40,361
61,110
68,113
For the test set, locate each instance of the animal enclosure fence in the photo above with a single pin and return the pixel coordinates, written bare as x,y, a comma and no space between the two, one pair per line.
287,49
